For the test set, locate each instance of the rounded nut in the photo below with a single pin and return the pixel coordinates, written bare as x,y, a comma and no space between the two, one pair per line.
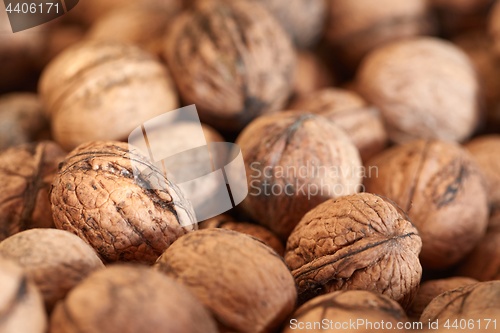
417,85
341,307
26,173
362,123
54,260
441,188
358,241
98,90
101,195
494,27
21,306
294,162
243,282
232,59
127,298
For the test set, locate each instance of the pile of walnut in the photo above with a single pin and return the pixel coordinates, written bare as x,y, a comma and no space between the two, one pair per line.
370,133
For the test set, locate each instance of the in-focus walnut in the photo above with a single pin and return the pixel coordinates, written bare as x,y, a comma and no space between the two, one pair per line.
125,299
494,27
243,282
474,301
419,85
54,260
293,163
341,307
362,123
441,188
356,242
232,59
21,119
26,173
125,215
99,90
254,230
21,306
311,74
356,27
431,289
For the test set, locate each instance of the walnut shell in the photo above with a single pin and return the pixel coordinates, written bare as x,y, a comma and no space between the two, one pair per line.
21,306
125,299
293,163
419,85
494,27
54,260
311,74
243,282
21,119
26,173
441,188
98,196
99,90
340,307
362,123
232,59
356,242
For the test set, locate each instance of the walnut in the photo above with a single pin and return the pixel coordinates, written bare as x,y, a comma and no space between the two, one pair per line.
418,84
311,74
232,59
244,283
127,298
431,289
359,241
441,188
294,162
350,112
494,27
99,196
26,173
474,301
21,119
102,90
355,28
54,260
254,230
21,306
337,308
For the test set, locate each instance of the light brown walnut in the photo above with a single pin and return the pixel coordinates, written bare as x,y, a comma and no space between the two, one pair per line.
356,242
100,196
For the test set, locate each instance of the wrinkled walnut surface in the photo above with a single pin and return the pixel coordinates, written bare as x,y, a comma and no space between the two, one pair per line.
355,242
26,173
232,59
441,188
130,299
97,197
294,162
419,85
243,282
54,260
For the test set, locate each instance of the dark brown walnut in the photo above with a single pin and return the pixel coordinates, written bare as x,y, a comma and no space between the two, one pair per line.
362,122
494,27
232,59
293,163
55,260
243,282
419,85
441,188
336,310
474,301
21,306
355,28
26,173
311,74
102,90
21,119
359,241
303,20
126,299
254,230
431,289
101,195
